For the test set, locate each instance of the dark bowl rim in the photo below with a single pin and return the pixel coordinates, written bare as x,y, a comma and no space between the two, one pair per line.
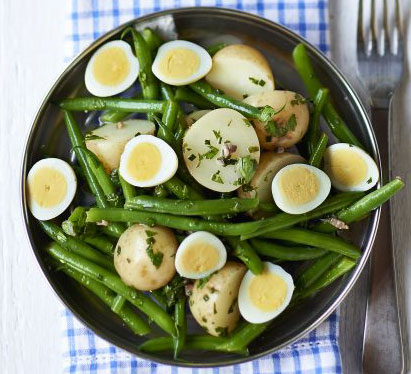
374,219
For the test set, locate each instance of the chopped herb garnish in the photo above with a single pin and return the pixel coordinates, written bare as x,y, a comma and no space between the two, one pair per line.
216,177
259,82
369,180
277,130
156,258
298,100
229,123
137,134
247,187
203,281
253,149
247,166
247,122
217,135
128,260
204,319
215,309
206,297
232,306
191,302
222,331
192,157
212,289
93,137
118,251
245,96
350,145
200,158
211,153
207,142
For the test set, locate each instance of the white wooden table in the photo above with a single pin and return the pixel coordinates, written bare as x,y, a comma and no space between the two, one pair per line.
31,54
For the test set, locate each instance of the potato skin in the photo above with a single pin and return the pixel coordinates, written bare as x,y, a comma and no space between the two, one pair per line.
133,263
291,103
214,305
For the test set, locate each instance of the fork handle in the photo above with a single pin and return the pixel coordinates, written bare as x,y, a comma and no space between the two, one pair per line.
399,164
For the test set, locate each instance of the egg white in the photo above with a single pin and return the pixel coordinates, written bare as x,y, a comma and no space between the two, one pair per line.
371,178
200,236
46,213
169,161
283,203
98,89
203,69
250,312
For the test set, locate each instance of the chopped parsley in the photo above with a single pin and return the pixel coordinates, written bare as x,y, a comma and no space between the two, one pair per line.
247,122
259,82
222,331
214,309
232,306
192,157
216,177
118,251
156,258
207,142
245,96
229,123
137,134
253,149
204,319
276,130
203,281
217,135
246,166
298,100
206,298
211,153
93,137
369,180
247,187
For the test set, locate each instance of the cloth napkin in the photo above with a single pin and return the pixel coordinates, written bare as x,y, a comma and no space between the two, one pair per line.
83,351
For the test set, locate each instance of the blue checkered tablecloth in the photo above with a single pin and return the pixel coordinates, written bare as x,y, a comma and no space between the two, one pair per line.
83,351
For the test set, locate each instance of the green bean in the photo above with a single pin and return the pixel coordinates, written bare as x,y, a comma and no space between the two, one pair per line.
76,222
317,269
78,144
100,242
282,252
126,313
284,220
75,245
129,191
335,122
362,207
193,342
191,207
343,266
268,207
317,153
246,253
167,93
113,115
245,334
103,178
118,303
113,281
149,83
117,103
152,39
189,96
213,49
221,100
180,320
160,191
182,190
313,133
170,114
316,239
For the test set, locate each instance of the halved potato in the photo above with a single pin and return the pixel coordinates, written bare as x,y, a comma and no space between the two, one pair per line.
206,140
214,304
289,124
270,164
240,71
108,141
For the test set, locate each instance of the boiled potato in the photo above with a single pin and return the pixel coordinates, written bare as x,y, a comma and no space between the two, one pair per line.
214,304
195,116
270,164
110,139
144,256
293,116
220,130
240,71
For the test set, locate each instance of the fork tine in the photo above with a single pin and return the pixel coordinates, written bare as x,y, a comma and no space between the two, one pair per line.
360,26
385,29
396,35
373,27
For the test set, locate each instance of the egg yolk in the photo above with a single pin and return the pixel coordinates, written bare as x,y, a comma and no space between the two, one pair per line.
199,257
144,162
48,187
111,66
179,63
267,291
299,185
347,167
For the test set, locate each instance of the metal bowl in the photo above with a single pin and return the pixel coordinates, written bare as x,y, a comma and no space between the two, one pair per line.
202,25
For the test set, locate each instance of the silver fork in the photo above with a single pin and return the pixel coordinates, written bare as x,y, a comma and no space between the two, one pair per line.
380,57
